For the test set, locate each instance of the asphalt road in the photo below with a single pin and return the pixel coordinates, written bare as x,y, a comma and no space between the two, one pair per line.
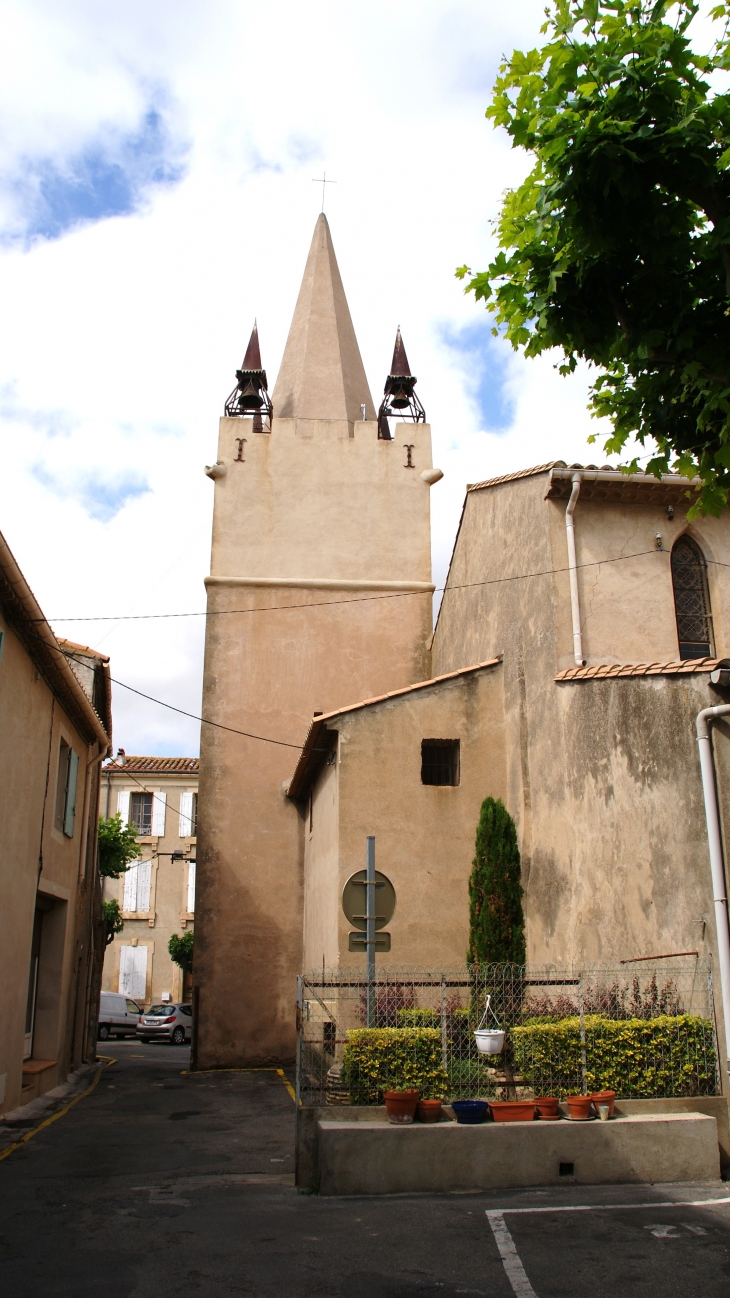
165,1185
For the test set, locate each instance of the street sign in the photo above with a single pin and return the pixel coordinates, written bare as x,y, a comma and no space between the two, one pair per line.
354,901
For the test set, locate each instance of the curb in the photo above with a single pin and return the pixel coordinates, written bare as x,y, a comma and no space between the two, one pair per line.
47,1108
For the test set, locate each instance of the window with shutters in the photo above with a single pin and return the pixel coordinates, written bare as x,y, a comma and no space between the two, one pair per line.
137,888
440,761
66,783
133,972
191,888
691,600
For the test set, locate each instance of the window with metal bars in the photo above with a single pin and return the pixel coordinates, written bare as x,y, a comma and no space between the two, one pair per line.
439,761
691,600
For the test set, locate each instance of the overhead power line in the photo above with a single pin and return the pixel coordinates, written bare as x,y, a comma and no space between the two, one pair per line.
361,599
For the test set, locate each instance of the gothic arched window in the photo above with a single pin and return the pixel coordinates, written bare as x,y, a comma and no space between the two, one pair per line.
691,600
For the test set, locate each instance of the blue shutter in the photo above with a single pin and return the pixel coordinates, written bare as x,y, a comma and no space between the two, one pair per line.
70,805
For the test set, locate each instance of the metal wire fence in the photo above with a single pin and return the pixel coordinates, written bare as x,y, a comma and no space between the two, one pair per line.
646,1031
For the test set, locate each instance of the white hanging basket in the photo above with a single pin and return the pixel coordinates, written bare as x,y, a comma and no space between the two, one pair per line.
490,1041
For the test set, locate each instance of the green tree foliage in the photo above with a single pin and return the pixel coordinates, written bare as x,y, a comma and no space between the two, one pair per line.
117,847
496,921
181,950
113,922
616,247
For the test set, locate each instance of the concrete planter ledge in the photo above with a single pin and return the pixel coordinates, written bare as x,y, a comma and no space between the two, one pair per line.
372,1157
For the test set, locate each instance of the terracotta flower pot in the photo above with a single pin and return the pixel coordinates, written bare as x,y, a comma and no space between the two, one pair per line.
428,1110
579,1107
512,1110
547,1107
604,1097
401,1106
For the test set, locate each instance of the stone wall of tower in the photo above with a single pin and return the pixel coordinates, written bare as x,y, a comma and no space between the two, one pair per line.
319,595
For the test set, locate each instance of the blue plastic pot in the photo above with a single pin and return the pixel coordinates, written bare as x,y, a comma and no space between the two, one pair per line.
470,1112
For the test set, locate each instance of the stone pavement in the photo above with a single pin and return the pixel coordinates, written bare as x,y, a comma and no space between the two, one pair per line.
161,1184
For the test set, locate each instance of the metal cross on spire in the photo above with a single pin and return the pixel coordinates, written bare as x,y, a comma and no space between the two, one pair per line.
322,180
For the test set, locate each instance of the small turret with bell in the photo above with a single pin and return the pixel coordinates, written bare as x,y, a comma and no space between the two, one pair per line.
251,395
399,399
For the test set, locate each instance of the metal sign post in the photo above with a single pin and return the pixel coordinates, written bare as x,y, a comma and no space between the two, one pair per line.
370,918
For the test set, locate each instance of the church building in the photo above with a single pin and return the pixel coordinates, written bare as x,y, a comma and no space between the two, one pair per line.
584,625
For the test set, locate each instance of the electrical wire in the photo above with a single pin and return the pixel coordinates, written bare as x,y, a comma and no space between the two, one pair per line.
363,599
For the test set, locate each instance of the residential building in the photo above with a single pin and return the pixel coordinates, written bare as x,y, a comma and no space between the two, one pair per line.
158,796
55,730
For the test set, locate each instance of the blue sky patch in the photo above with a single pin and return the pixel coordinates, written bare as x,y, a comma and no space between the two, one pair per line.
110,177
101,497
484,361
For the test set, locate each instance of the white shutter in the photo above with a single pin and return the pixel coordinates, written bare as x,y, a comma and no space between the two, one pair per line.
186,814
123,805
143,885
191,888
133,972
158,814
130,892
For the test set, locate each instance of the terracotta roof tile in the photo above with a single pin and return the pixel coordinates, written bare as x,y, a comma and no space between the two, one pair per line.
521,473
605,671
83,648
156,765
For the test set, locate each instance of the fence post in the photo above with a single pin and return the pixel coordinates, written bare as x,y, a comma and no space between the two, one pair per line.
444,1037
583,1059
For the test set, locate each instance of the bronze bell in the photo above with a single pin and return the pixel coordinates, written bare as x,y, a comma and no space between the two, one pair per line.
250,398
399,398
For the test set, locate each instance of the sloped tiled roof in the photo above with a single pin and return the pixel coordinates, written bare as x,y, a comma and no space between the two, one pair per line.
607,671
521,473
82,648
155,765
313,753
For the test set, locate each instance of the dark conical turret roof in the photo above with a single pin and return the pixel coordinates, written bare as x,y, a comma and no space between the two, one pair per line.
252,359
399,366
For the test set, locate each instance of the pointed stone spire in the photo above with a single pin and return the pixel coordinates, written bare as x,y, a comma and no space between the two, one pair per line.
322,374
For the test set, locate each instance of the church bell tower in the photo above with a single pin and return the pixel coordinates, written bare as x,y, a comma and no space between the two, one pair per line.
319,595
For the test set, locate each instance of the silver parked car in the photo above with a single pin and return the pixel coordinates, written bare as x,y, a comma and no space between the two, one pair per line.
118,1015
172,1023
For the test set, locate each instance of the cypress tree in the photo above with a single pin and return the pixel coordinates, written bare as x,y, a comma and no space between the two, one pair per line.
496,920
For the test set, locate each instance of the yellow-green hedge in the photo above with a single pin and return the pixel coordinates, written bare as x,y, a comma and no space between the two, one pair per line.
393,1059
636,1058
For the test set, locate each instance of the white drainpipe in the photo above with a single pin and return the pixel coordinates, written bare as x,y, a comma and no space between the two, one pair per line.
573,570
717,868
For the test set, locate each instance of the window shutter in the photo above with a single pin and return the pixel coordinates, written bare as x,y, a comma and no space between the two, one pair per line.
191,888
123,805
143,885
125,969
140,973
158,814
70,804
186,814
130,893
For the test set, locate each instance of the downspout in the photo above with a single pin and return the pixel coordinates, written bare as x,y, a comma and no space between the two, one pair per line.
719,890
573,571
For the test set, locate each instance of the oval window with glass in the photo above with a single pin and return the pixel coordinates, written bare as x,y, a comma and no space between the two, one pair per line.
691,600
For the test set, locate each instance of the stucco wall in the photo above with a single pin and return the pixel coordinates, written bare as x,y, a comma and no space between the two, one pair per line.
603,776
32,725
334,515
322,871
424,833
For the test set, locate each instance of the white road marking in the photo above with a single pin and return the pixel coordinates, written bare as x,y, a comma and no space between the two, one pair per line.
621,1207
514,1269
664,1232
696,1230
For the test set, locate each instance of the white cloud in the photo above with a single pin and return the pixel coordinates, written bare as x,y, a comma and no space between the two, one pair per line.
120,338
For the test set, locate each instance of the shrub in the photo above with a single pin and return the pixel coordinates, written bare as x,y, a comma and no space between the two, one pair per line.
388,1002
636,1058
181,950
418,1018
397,1059
117,847
496,921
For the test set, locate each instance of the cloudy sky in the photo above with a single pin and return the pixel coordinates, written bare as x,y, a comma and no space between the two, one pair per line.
157,162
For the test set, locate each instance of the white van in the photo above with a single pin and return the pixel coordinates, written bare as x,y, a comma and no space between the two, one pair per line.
118,1016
